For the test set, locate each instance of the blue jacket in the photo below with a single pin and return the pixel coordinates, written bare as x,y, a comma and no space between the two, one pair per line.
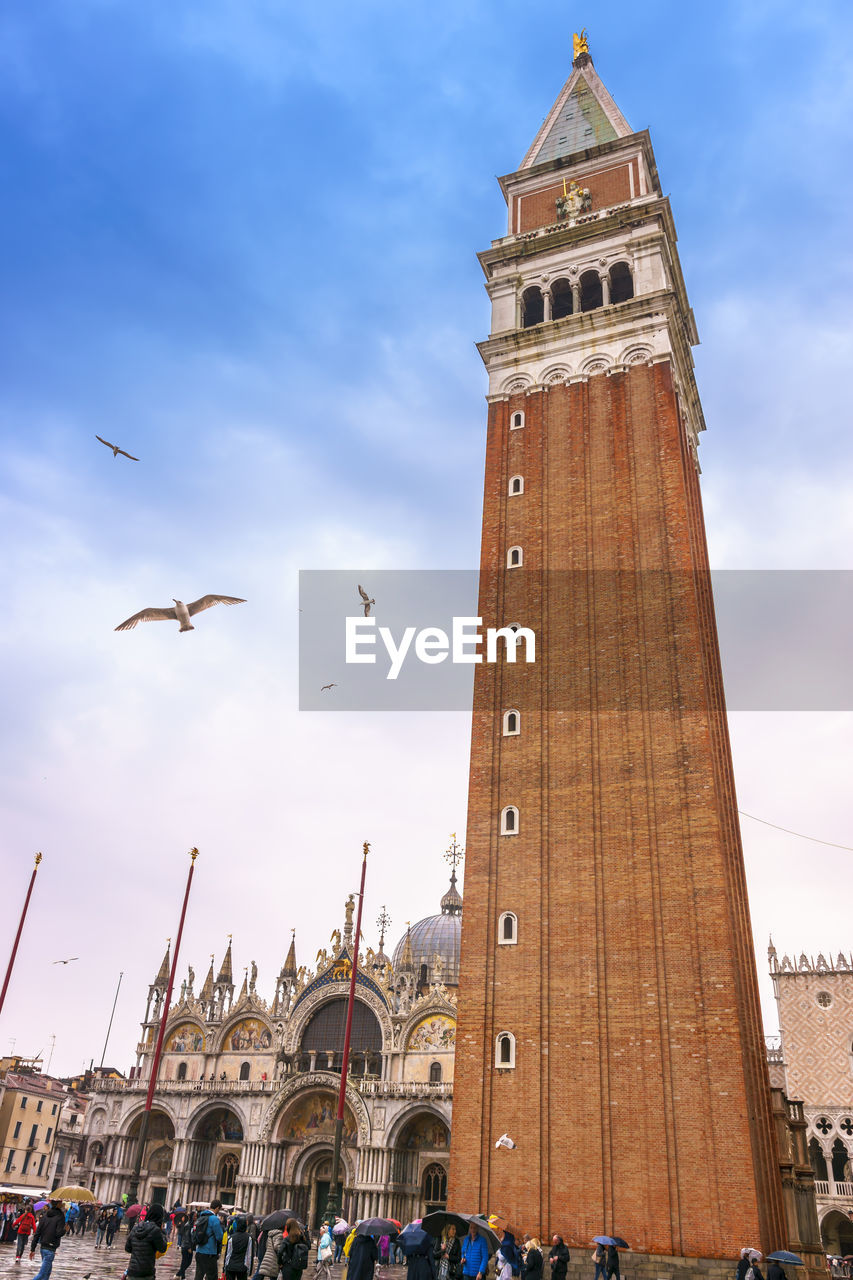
475,1256
214,1234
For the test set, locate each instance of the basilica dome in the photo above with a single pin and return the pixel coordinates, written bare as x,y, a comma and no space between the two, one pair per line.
436,935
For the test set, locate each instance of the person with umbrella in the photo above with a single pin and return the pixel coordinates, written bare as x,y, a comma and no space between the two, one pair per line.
419,1251
450,1254
511,1252
475,1254
363,1253
269,1244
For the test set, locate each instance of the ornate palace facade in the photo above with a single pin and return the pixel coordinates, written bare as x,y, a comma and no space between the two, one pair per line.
247,1088
813,1062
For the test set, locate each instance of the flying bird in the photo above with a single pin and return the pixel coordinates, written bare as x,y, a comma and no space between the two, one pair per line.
324,687
366,599
181,612
505,1141
68,961
116,450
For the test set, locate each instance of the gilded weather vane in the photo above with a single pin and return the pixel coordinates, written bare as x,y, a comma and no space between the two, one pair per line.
454,854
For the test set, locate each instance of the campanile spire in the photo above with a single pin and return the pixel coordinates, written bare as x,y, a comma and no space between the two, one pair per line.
613,1030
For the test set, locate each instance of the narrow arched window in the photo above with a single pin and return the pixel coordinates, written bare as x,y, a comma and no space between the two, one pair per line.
423,976
505,1050
244,1070
621,283
435,1073
512,723
509,821
562,303
516,420
514,557
591,293
182,1071
507,929
516,485
532,307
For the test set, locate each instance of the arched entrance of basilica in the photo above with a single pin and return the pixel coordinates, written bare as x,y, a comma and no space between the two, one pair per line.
213,1151
419,1161
302,1163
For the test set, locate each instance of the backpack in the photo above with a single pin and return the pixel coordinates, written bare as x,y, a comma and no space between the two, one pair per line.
293,1258
202,1231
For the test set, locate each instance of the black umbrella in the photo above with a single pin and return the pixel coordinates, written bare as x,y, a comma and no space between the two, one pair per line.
435,1223
277,1220
414,1241
377,1227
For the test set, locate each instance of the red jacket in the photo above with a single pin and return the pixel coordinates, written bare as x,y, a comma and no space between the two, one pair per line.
26,1224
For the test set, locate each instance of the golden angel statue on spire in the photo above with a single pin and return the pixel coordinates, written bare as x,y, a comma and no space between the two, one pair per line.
580,44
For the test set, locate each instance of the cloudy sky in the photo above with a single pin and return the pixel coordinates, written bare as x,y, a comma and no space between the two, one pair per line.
239,240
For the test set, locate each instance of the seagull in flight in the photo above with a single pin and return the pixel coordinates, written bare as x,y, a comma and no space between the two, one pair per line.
181,612
116,450
366,600
68,961
324,687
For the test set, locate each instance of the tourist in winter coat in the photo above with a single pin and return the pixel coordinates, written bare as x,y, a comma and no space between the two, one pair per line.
144,1241
25,1225
612,1264
48,1233
269,1261
559,1258
325,1253
450,1255
239,1252
293,1254
531,1267
475,1254
776,1271
207,1253
363,1253
185,1244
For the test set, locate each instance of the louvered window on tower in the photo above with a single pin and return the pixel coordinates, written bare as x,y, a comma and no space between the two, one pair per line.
514,558
516,485
516,421
509,821
505,1050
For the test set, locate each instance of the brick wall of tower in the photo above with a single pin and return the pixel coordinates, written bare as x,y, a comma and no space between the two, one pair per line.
632,991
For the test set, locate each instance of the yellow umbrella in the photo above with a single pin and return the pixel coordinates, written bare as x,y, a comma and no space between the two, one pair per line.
73,1193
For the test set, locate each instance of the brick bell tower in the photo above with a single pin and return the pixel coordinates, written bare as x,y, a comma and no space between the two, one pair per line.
608,1004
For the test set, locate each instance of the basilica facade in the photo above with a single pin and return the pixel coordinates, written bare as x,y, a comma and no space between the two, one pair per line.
247,1088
